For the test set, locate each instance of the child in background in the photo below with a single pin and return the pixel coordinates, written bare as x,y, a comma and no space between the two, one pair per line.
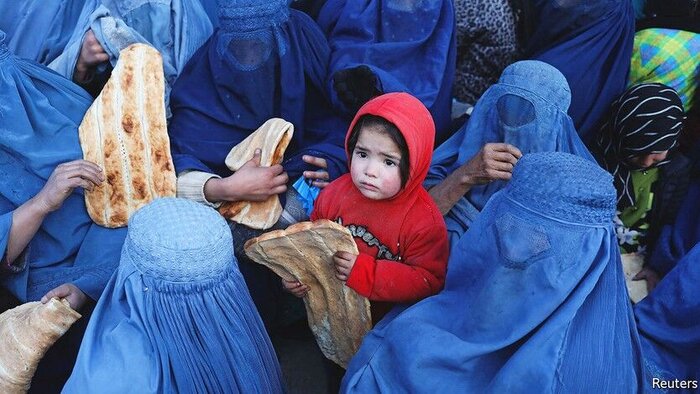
399,230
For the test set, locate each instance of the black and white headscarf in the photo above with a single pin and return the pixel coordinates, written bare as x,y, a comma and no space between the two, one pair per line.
646,119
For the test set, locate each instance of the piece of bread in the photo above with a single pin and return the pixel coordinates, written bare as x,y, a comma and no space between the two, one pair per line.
632,263
26,333
124,131
338,317
272,138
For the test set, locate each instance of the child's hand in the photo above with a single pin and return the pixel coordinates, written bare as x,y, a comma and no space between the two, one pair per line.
76,298
295,287
91,54
650,276
318,178
344,262
66,177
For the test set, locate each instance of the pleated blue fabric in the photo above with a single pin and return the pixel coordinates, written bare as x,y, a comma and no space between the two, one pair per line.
176,317
534,302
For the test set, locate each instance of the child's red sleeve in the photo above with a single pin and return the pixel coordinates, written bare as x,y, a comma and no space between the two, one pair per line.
420,274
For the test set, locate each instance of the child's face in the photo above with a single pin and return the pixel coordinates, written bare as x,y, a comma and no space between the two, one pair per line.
375,164
648,160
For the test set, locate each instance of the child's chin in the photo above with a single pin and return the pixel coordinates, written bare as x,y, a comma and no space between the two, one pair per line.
371,195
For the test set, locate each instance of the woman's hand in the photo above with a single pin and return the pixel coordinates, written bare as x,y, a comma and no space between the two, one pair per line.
250,183
495,161
76,298
318,178
64,179
295,287
91,54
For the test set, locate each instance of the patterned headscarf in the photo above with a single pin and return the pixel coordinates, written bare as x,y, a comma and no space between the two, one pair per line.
646,119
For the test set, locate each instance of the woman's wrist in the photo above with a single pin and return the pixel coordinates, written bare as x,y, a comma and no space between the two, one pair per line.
213,191
37,207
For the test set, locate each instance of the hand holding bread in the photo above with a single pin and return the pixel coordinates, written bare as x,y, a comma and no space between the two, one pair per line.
251,182
65,178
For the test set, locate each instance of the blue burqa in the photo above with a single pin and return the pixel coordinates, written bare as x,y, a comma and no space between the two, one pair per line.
668,320
176,317
40,112
265,61
176,28
526,108
39,29
677,239
590,42
408,44
534,300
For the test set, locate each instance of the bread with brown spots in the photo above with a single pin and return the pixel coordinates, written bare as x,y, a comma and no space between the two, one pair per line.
124,131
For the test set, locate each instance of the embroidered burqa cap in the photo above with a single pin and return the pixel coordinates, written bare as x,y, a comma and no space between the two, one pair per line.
534,300
177,316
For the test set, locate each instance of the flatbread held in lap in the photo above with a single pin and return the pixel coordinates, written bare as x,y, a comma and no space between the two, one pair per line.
338,317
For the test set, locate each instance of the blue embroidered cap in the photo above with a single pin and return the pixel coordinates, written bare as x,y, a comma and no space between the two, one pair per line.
240,16
177,315
575,190
179,240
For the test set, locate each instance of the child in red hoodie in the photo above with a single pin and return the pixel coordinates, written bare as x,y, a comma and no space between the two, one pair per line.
398,229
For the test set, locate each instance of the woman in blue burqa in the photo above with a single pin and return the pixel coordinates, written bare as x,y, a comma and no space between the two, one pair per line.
176,28
590,42
50,245
176,317
382,46
534,299
265,61
524,112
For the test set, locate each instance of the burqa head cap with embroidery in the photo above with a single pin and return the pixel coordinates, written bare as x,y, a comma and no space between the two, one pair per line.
177,316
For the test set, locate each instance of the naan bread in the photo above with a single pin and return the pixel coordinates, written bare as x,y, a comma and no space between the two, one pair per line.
338,317
632,263
272,138
125,133
26,333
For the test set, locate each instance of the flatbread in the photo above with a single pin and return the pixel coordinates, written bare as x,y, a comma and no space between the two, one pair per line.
26,333
272,138
125,133
338,316
632,263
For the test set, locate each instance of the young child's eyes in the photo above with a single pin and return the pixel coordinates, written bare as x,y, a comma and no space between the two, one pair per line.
389,163
361,154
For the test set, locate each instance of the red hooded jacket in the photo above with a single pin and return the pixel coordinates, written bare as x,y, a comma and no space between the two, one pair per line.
402,240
